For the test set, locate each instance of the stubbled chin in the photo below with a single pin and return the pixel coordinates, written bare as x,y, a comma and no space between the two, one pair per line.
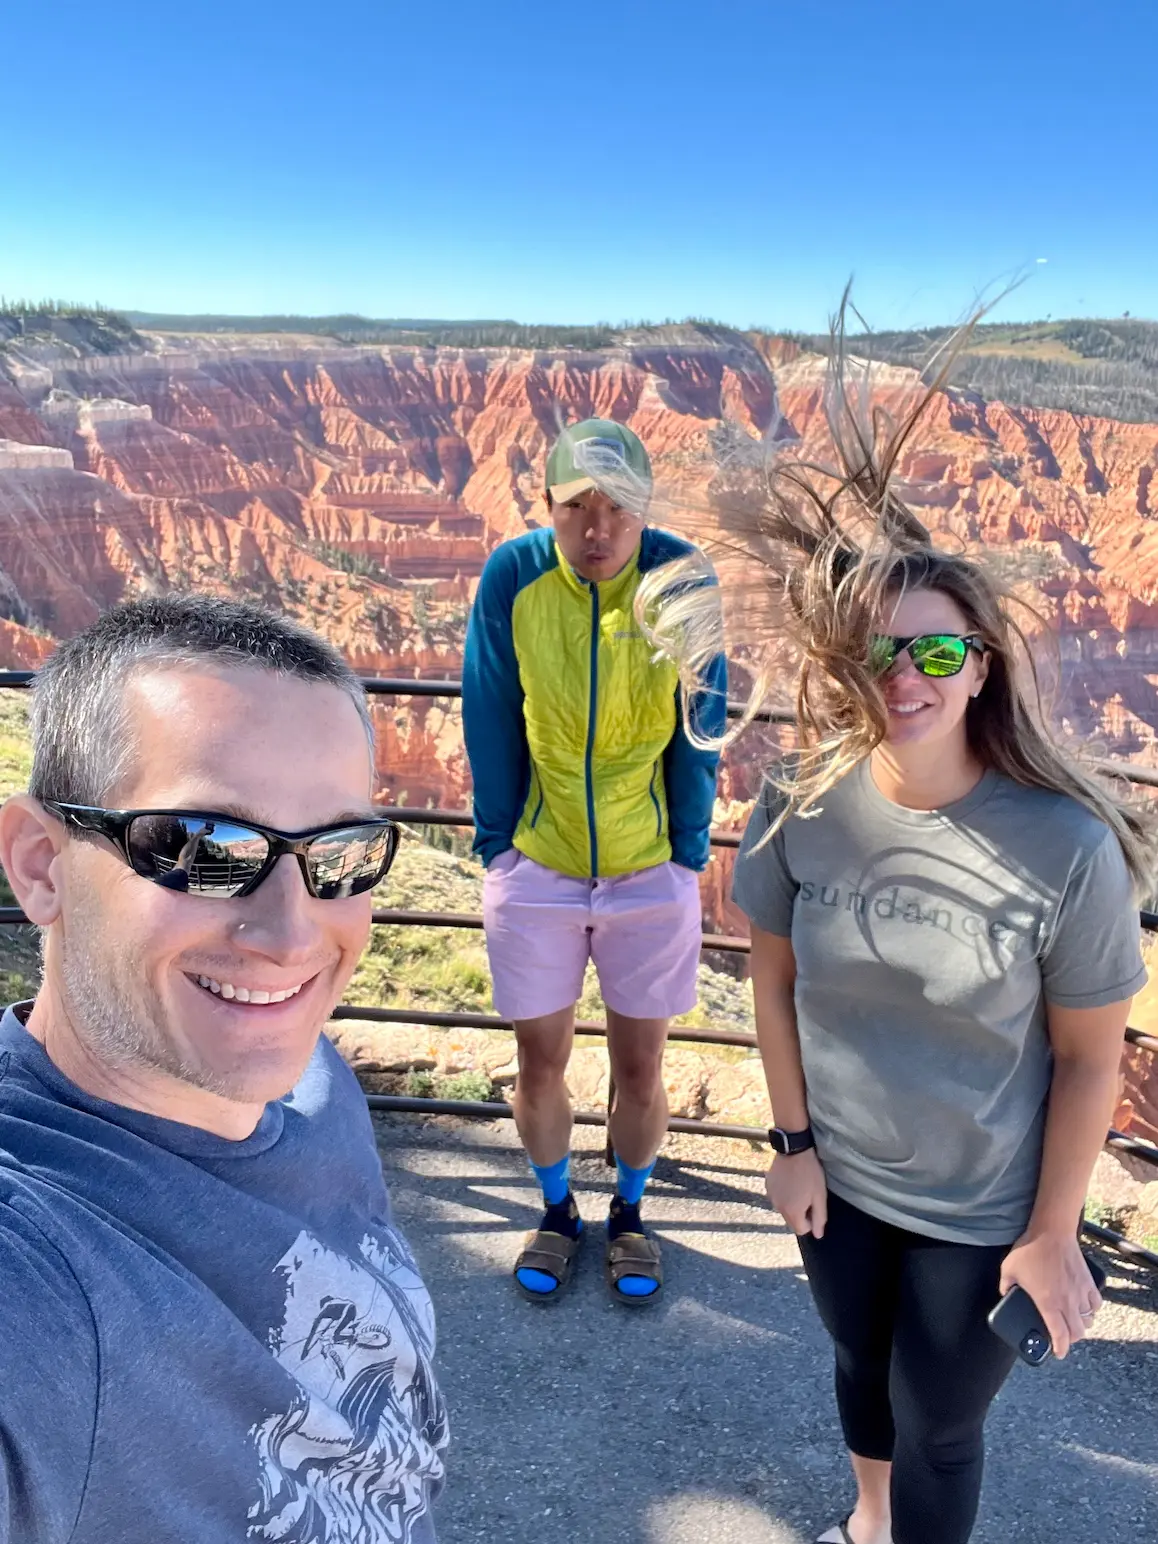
259,1076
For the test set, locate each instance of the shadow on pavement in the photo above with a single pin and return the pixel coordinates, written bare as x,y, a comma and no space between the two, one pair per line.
709,1418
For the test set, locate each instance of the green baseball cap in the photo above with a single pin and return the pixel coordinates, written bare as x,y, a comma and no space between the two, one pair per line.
599,453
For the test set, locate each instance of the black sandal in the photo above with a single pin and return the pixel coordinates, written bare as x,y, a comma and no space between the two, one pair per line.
842,1529
633,1254
554,1255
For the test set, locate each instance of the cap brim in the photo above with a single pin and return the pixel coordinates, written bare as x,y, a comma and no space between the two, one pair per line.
561,492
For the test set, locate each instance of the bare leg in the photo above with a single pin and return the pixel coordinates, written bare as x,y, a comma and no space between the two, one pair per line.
871,1521
639,1121
541,1103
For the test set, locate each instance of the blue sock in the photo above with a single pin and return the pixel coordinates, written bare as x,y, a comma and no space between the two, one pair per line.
628,1194
554,1180
632,1181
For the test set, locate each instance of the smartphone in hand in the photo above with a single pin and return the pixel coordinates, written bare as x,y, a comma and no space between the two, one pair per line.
1017,1322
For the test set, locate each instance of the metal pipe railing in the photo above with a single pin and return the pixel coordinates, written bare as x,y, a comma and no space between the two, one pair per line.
721,943
693,1035
497,1111
405,815
436,1019
716,943
415,687
1120,1245
1120,1143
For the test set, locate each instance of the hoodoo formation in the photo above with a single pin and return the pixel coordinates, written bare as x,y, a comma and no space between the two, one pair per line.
360,489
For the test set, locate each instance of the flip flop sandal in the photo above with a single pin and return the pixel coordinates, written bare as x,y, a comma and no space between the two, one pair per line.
553,1254
633,1254
839,1531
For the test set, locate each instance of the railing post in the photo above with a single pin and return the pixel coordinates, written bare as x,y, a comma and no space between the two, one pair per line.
609,1149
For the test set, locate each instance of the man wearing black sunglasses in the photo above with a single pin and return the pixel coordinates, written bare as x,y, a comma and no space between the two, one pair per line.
212,1329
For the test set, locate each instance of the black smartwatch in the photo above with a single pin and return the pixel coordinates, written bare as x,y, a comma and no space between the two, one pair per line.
788,1143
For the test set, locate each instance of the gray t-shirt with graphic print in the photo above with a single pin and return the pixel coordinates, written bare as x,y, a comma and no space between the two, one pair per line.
928,944
206,1340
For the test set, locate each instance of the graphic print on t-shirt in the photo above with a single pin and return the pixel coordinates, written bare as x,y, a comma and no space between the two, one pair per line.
901,891
930,946
351,1459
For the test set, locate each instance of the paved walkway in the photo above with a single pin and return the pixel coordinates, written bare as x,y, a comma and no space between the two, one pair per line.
710,1419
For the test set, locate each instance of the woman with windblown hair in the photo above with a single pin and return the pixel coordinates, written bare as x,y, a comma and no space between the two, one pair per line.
945,943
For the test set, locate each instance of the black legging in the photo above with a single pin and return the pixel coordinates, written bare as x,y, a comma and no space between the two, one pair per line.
916,1364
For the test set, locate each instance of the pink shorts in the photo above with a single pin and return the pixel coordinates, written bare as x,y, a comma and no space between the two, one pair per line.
643,931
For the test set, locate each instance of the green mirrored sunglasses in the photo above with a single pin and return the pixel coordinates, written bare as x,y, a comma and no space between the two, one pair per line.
933,654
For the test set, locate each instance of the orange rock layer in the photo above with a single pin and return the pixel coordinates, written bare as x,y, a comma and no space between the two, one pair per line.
360,490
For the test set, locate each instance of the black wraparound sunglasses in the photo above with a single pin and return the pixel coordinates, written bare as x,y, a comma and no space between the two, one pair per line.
202,853
932,654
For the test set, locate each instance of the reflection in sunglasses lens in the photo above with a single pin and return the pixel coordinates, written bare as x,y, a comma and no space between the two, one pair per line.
348,862
205,857
938,656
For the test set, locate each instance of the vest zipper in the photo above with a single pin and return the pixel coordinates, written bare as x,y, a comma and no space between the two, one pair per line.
655,801
591,717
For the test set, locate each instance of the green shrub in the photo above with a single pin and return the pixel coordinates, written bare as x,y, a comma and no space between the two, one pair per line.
1104,1214
475,1086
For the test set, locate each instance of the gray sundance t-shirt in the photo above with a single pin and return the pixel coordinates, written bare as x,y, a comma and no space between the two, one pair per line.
927,945
204,1341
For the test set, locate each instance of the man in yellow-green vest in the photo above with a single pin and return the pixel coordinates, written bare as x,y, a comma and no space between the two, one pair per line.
592,809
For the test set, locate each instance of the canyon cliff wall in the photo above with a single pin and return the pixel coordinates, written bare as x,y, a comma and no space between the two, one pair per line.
360,489
357,489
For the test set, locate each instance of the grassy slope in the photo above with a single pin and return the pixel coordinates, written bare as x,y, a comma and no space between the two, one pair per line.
84,329
1106,368
15,752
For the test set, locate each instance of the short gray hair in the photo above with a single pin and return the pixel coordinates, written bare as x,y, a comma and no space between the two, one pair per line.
81,737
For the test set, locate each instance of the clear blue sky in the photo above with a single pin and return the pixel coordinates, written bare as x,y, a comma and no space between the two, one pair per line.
526,159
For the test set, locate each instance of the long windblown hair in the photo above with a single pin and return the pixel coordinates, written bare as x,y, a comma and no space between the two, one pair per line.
809,557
